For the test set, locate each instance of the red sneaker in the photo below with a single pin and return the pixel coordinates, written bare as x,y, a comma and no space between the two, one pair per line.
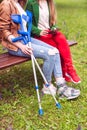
74,77
67,78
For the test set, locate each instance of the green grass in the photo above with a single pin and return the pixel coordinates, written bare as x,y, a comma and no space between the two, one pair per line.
19,110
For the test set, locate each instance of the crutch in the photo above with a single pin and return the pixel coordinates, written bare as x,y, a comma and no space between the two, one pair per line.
18,19
29,26
57,104
36,83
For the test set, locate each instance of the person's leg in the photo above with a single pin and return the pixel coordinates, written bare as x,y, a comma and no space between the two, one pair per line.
59,41
48,39
63,89
65,53
43,53
50,65
46,53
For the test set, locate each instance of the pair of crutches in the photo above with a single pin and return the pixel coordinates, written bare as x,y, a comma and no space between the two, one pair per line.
25,37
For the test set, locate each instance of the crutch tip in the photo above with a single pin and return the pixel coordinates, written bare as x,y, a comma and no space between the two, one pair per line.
41,112
58,105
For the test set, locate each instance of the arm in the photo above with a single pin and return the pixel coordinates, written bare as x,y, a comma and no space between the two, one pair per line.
5,27
29,6
33,7
5,20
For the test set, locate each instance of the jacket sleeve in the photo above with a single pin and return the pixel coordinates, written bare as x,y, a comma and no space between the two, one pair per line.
35,30
5,20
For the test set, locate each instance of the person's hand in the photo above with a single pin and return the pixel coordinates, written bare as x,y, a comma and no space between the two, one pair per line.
53,30
44,32
26,49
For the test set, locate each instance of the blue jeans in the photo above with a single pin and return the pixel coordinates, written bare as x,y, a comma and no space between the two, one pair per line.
51,65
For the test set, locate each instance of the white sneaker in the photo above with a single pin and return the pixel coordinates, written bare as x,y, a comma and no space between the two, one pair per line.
47,90
68,92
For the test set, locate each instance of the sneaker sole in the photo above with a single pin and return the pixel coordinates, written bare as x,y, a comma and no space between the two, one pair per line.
69,98
48,93
75,82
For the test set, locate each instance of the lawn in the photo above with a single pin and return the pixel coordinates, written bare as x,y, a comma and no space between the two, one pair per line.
19,106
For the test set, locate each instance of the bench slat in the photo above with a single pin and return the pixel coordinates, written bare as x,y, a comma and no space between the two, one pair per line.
7,60
71,43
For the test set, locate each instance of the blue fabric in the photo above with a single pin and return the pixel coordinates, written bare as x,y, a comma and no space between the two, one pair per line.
51,63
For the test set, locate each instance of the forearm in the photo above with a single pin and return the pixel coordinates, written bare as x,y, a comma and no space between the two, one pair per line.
17,44
24,48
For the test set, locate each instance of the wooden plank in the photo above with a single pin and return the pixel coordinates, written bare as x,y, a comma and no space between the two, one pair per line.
7,60
71,43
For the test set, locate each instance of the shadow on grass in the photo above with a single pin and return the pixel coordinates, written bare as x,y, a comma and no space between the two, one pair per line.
18,78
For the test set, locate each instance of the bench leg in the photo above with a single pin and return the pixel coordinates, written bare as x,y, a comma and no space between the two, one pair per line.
0,96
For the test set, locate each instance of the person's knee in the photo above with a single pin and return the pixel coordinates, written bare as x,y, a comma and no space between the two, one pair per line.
53,51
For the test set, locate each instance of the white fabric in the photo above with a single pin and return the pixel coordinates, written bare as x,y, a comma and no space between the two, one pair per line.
43,15
53,51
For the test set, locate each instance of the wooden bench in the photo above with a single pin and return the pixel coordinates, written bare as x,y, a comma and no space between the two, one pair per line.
7,60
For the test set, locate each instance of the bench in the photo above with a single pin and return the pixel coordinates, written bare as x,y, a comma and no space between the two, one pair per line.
7,60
